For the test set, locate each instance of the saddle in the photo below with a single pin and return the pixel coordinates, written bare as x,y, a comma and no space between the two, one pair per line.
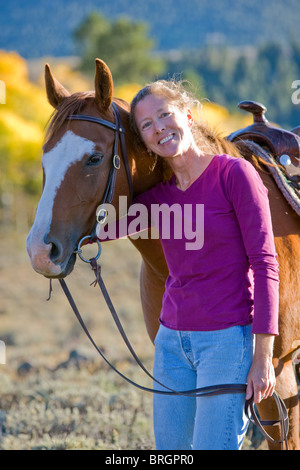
278,148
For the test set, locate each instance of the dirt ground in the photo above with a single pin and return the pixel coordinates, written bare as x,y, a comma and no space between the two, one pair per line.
55,391
53,373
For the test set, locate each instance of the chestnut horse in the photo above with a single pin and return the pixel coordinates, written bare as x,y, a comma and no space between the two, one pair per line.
76,163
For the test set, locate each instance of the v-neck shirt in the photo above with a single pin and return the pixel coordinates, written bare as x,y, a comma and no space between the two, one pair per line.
227,275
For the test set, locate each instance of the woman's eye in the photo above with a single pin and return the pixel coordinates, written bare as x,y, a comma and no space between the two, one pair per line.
94,159
165,114
145,125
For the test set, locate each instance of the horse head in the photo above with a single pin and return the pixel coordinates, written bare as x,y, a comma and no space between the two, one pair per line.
76,164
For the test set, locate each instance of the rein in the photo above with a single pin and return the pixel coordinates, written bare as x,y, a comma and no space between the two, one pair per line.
198,392
250,410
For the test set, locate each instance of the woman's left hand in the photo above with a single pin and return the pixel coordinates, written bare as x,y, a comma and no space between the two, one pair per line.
261,378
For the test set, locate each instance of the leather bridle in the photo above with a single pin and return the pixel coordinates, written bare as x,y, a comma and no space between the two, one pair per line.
119,130
198,392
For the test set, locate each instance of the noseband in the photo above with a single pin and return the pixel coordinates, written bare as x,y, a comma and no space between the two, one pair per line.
101,217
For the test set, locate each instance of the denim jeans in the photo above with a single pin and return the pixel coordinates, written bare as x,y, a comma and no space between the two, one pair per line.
187,360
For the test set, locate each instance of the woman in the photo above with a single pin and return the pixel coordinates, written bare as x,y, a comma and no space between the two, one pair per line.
221,299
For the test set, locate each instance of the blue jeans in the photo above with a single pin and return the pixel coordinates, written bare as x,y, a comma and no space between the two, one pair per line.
187,360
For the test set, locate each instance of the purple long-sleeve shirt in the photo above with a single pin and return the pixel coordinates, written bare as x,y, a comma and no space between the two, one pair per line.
228,274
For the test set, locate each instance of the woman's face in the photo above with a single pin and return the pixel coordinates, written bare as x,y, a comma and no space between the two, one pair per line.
164,128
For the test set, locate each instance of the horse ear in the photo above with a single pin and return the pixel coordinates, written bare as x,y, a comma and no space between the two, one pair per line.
55,91
103,85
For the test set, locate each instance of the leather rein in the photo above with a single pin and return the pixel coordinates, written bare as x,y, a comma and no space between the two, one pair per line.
250,410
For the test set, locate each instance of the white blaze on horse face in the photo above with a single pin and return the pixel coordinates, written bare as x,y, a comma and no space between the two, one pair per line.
70,149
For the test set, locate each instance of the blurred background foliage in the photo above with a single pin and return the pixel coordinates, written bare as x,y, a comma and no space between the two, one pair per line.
229,50
124,44
220,76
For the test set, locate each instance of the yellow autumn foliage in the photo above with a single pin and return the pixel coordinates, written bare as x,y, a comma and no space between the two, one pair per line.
13,68
25,131
66,74
24,115
127,92
219,118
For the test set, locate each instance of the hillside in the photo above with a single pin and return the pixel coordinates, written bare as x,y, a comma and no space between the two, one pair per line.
36,28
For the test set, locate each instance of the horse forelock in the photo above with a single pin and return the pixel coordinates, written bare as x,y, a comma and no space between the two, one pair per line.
70,105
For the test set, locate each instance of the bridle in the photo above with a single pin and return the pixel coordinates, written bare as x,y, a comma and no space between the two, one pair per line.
101,216
119,130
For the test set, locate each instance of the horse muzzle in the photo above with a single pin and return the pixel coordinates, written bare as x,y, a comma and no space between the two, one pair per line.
49,258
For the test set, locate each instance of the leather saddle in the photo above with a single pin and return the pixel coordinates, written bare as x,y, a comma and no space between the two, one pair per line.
279,148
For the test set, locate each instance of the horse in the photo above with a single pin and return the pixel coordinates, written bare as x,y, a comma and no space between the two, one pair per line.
76,160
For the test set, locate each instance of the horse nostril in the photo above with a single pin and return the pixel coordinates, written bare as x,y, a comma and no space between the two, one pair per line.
55,251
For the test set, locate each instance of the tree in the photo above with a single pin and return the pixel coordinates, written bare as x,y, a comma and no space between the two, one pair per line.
123,44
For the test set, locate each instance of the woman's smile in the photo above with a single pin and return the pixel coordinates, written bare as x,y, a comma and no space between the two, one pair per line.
166,139
164,128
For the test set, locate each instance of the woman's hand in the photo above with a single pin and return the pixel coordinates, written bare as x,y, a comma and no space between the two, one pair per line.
261,378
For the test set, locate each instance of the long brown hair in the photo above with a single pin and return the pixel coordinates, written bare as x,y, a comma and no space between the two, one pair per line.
206,138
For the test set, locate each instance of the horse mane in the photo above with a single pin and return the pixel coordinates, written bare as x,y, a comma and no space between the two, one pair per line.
72,104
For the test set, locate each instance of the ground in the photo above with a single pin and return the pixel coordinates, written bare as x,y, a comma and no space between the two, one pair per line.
55,392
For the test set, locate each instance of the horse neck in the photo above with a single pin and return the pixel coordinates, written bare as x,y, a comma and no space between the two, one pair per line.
146,171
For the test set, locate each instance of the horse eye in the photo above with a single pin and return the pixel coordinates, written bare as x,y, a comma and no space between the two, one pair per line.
94,159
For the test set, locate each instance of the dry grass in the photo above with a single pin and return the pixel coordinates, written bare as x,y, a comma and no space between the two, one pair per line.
55,392
48,401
